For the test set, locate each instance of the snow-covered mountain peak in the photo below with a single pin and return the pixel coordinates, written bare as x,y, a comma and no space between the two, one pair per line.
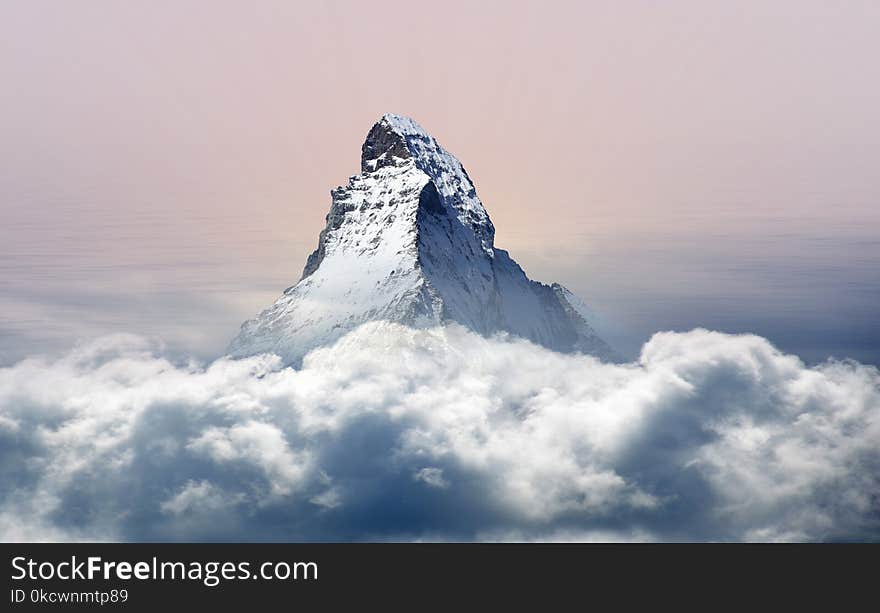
404,125
386,145
396,140
409,241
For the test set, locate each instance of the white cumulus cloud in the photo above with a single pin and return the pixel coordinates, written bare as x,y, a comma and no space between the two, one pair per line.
433,434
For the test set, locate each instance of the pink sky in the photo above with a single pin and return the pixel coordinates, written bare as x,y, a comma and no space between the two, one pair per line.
597,133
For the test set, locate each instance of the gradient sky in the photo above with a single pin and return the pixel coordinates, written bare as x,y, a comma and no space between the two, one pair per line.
166,166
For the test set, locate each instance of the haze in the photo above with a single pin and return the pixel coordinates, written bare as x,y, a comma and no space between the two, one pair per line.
166,167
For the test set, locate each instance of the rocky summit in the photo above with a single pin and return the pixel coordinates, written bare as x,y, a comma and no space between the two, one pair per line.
408,241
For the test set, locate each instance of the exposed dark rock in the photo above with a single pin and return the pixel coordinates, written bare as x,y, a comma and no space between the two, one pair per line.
381,146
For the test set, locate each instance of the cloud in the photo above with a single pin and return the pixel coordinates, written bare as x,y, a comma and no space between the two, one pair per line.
395,433
431,476
197,498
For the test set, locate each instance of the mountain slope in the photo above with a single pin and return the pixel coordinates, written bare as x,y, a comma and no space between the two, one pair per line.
409,241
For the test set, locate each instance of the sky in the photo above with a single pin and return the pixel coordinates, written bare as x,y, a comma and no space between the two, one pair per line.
166,166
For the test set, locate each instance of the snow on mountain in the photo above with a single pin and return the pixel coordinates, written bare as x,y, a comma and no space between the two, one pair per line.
409,241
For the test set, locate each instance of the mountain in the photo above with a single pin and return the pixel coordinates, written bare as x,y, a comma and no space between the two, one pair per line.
409,241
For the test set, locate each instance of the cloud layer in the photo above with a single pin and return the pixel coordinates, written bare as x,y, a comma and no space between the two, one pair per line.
394,433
